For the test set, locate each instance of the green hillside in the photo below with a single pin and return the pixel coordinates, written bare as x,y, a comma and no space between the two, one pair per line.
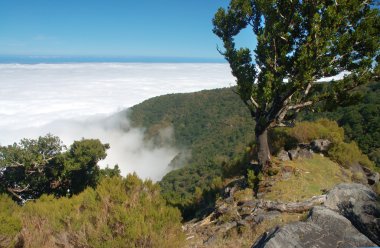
214,127
211,124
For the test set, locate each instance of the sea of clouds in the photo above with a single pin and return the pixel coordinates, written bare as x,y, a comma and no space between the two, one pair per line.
80,100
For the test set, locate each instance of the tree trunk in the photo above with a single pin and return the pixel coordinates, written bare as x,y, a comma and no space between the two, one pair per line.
263,151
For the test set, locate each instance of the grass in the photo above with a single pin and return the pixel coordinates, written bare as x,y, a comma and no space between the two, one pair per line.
311,177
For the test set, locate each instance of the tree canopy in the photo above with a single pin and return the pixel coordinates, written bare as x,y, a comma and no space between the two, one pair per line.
299,43
34,167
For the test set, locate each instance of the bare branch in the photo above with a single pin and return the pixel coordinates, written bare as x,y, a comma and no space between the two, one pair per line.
254,102
14,194
301,105
292,207
306,92
20,190
282,37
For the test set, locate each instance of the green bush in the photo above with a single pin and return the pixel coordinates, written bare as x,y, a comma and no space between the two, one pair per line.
10,222
306,131
279,138
348,154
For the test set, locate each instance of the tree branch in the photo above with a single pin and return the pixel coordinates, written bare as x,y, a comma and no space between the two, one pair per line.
254,103
14,194
301,105
292,207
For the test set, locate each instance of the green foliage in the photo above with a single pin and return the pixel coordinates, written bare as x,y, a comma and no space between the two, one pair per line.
41,166
251,178
10,222
348,154
118,213
279,138
110,172
209,124
305,132
182,187
298,43
361,122
213,126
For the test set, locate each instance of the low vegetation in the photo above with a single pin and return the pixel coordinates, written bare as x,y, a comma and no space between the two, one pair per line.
120,212
311,176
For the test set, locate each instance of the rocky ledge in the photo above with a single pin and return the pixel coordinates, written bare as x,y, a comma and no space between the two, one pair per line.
349,217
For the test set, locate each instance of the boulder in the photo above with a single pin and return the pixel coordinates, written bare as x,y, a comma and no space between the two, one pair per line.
305,153
283,155
360,205
320,145
323,228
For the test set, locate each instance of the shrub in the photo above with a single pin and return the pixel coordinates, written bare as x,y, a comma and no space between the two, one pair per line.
306,131
120,212
279,138
348,154
10,222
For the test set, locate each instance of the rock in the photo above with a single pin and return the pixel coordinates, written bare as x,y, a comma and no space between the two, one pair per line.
247,208
372,177
360,205
283,155
320,145
300,153
323,228
305,153
293,154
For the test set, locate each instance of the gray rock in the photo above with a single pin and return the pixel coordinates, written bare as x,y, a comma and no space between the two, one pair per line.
320,145
293,154
283,155
323,228
372,177
360,205
247,208
305,153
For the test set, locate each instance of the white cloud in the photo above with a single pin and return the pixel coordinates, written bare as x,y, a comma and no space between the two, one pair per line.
64,98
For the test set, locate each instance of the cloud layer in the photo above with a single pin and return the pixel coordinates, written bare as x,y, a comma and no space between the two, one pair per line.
73,101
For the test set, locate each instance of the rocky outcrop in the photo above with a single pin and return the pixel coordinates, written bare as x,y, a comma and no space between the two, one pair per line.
372,176
350,217
305,150
283,155
320,145
323,228
358,204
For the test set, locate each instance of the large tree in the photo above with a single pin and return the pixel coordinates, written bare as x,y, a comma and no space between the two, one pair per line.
299,43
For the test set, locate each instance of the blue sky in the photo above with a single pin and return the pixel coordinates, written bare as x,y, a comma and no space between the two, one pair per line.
147,28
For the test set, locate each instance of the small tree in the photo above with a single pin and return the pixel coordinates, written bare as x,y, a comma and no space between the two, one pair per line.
34,167
298,43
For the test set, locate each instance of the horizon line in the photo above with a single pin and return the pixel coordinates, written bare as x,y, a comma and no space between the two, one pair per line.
35,59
